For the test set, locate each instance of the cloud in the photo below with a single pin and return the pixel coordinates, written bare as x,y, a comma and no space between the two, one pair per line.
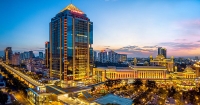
178,45
129,47
180,40
198,41
150,46
41,48
136,51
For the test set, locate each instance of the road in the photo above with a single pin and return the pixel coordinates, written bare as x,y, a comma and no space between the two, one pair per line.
29,79
20,98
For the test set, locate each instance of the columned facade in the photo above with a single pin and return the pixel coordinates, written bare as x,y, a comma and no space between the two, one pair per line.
139,72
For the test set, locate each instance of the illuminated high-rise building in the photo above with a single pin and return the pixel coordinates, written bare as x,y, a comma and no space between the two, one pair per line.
8,55
71,39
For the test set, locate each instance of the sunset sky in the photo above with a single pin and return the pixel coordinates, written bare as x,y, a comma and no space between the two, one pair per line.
133,27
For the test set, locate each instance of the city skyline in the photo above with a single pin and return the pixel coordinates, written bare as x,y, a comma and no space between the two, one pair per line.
135,28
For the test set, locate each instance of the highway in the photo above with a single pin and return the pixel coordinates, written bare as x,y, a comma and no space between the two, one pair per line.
25,77
20,98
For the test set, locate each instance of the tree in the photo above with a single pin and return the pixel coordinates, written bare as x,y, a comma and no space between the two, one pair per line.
138,83
16,103
93,88
109,83
4,98
150,84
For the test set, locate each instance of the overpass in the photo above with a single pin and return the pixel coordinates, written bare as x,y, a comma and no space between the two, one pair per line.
28,80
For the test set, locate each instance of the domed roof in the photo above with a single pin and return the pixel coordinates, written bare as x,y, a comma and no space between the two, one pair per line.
188,69
160,56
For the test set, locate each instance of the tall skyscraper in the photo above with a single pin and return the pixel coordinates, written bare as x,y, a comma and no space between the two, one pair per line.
71,39
162,51
47,54
8,55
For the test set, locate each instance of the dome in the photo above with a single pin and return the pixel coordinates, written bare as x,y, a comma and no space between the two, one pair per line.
188,69
160,56
150,56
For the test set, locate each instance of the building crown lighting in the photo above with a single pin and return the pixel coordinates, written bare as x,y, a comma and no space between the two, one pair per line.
72,8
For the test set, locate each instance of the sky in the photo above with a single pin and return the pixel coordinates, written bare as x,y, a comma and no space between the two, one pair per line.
133,27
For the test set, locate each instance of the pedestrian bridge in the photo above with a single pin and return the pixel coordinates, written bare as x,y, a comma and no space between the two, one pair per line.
28,80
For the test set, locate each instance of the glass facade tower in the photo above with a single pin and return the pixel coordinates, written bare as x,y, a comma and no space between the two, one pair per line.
71,39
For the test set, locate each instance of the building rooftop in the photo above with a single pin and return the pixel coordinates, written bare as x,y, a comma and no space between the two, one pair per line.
73,8
72,89
110,98
53,90
58,90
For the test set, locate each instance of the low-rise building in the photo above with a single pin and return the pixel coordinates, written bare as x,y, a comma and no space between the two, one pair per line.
39,96
135,72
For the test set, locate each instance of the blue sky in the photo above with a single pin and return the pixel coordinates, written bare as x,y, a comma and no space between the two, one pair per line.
134,27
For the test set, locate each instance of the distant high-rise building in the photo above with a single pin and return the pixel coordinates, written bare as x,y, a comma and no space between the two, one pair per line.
31,54
112,57
95,56
71,39
102,56
41,55
196,58
159,50
22,56
162,51
26,55
122,57
16,59
47,54
8,55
